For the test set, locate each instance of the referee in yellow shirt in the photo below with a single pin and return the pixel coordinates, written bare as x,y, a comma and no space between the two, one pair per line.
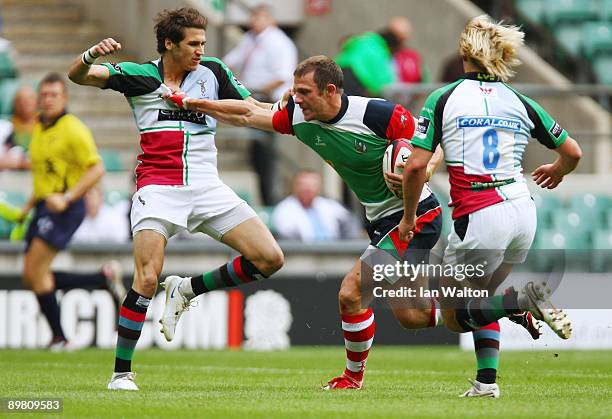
65,165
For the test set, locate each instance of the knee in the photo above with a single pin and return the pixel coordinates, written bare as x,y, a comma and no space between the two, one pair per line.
271,261
450,320
414,318
349,299
146,280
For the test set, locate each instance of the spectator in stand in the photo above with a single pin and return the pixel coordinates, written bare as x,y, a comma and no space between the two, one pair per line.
264,60
307,216
265,57
15,135
103,223
366,62
25,116
409,65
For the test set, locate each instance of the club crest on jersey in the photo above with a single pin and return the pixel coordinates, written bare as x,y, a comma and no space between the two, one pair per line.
488,91
360,146
182,115
202,84
488,121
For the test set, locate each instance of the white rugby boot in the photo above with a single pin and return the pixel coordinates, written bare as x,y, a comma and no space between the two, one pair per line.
176,304
479,389
122,381
534,298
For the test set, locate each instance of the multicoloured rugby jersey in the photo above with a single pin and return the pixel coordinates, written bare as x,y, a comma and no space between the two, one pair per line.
354,144
178,146
483,126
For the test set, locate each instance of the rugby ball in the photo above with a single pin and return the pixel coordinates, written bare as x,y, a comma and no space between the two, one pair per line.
396,153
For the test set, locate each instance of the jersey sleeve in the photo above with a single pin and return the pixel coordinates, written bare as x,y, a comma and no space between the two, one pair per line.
388,120
82,144
132,79
546,130
229,86
282,121
428,133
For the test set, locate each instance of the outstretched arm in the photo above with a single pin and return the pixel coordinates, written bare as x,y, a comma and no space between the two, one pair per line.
235,112
83,70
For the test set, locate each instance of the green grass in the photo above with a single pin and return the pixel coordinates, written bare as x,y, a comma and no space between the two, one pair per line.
400,382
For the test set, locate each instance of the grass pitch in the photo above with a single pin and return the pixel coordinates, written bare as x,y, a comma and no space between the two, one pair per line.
400,382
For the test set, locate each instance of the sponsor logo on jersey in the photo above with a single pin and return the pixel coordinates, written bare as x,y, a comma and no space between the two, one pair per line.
486,77
237,82
422,126
182,115
319,142
488,92
556,130
116,67
488,121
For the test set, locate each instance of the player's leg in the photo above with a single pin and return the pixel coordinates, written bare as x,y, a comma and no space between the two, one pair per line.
47,234
109,277
419,311
237,225
149,248
358,327
521,217
37,277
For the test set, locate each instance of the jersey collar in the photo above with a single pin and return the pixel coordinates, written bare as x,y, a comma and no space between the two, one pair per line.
343,109
48,124
481,77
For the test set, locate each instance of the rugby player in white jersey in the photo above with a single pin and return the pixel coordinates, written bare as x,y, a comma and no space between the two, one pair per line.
178,184
351,133
483,125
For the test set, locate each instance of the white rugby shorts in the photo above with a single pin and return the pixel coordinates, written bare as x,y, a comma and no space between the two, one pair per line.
211,209
499,233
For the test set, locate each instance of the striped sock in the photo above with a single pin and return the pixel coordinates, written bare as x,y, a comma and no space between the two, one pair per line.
480,312
131,319
435,316
486,344
237,272
358,336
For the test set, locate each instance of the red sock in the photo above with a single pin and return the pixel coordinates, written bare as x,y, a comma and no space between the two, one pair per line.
358,336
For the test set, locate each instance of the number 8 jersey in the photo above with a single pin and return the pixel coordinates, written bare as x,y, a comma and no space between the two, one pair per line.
483,126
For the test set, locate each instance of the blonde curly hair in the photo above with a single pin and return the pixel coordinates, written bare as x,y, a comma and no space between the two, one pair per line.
492,46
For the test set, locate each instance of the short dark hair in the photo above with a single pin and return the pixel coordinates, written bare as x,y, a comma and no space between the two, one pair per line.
53,78
326,71
171,24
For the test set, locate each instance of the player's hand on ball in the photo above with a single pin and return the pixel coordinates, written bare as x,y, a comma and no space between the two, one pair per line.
547,176
105,47
406,228
394,182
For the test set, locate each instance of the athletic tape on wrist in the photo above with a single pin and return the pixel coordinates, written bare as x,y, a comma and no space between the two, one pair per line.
88,58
